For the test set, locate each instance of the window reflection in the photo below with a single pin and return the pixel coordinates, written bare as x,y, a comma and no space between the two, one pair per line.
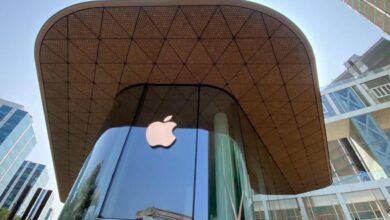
87,194
284,209
209,172
323,207
368,204
156,181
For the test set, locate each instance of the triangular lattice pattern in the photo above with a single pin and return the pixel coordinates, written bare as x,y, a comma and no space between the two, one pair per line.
88,56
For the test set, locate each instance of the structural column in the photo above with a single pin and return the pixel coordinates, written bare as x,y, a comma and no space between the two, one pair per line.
343,206
302,208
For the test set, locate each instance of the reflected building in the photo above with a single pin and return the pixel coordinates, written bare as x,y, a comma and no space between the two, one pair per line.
39,207
179,109
357,114
49,214
17,139
152,213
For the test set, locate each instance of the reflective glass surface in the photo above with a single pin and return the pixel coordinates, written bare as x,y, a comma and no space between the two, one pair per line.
11,123
327,108
154,176
205,167
284,209
88,192
4,110
15,145
323,207
368,204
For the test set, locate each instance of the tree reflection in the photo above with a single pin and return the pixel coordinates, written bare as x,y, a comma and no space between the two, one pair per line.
85,200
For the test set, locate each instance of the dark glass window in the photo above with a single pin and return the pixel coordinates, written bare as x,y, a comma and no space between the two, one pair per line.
11,123
12,181
4,110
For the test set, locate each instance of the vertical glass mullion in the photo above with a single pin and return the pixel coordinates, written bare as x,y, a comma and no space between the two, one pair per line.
200,204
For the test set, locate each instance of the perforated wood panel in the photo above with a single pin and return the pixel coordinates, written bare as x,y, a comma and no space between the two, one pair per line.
88,53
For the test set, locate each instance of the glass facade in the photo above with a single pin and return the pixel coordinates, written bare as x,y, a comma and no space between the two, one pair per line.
232,174
346,166
368,204
22,186
210,171
39,205
284,209
355,107
325,207
16,140
366,130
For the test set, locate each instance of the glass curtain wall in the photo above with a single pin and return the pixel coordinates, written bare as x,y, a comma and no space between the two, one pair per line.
210,168
325,207
284,209
259,211
368,204
345,164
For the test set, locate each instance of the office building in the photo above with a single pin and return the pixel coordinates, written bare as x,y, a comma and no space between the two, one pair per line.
19,192
377,11
357,116
180,108
39,206
17,139
49,214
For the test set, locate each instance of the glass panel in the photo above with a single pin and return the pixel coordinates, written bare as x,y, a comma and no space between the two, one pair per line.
86,197
88,191
368,204
323,208
11,123
327,108
259,211
230,193
345,164
155,181
208,170
4,110
284,209
347,100
372,144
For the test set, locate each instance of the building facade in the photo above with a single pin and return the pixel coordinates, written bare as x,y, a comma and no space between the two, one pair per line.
378,12
357,115
179,109
49,214
39,207
22,187
17,139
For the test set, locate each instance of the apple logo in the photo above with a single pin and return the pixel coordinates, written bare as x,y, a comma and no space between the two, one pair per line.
161,133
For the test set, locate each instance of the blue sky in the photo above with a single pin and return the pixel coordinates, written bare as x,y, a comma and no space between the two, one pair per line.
334,30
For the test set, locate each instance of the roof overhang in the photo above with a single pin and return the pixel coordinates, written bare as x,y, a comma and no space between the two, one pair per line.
86,53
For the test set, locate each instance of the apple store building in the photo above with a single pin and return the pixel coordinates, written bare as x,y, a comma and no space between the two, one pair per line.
179,109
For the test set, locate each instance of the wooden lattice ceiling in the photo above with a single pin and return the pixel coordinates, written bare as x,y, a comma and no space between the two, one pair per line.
87,53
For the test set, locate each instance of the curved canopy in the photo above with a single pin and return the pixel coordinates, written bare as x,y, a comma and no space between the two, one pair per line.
88,52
